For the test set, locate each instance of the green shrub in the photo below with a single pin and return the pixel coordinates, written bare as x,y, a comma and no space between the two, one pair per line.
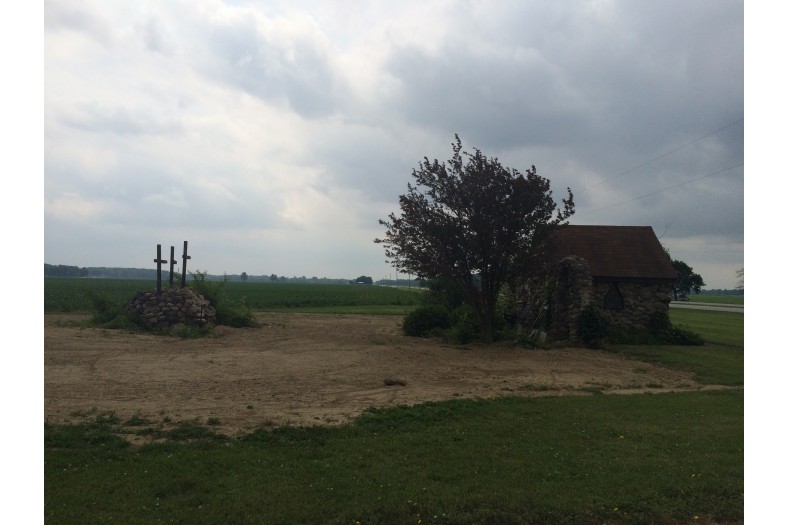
685,338
213,291
104,310
443,292
425,319
659,323
591,327
228,312
660,326
188,331
464,325
108,312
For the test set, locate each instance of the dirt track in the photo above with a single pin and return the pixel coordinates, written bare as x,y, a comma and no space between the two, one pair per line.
307,369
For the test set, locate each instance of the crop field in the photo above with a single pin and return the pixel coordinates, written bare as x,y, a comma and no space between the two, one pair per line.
74,295
719,299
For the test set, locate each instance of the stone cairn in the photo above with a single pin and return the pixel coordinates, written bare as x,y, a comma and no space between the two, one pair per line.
170,307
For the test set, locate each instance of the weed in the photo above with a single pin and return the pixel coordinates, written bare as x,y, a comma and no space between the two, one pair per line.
107,418
540,387
137,420
192,430
591,327
188,331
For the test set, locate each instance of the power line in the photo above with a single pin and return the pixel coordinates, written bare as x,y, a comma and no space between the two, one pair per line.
665,189
671,152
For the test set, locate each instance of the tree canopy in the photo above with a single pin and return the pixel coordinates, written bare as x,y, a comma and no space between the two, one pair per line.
688,281
473,221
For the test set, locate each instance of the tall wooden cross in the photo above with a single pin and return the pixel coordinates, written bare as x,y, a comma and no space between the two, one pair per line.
159,261
173,262
185,258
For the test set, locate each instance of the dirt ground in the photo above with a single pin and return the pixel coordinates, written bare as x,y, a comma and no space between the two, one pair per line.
306,369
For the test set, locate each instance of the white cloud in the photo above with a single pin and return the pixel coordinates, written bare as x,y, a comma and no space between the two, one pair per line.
74,209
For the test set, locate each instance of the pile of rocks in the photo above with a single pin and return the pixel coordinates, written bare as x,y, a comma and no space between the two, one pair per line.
171,307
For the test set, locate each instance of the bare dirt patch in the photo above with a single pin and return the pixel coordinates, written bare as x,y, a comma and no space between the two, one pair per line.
306,369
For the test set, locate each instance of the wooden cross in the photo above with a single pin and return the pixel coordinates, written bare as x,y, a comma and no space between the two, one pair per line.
159,261
185,258
173,262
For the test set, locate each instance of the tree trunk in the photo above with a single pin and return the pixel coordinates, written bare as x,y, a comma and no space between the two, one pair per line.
483,301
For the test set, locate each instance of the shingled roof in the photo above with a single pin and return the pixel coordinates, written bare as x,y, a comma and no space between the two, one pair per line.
623,252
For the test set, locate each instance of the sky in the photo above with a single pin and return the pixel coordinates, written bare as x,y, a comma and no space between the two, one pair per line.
272,136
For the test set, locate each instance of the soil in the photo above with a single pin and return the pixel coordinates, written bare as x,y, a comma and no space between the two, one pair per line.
307,369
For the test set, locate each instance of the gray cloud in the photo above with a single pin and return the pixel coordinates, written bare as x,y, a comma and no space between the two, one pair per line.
296,72
280,132
81,18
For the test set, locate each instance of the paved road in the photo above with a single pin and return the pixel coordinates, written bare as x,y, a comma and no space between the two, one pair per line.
717,307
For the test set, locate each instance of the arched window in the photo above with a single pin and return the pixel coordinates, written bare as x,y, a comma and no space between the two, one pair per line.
613,298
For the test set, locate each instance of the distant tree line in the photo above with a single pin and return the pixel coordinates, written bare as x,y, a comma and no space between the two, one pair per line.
414,283
149,274
62,270
719,291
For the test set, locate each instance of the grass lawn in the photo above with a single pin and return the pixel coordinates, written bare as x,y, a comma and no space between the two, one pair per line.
719,362
723,328
667,458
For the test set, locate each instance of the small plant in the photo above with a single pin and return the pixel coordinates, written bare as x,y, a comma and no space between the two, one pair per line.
137,420
591,327
465,327
660,326
228,312
107,312
191,430
107,418
188,331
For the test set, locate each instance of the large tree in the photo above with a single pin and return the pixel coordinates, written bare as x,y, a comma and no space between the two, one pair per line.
688,281
474,222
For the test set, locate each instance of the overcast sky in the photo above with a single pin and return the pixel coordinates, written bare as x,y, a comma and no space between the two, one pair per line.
273,135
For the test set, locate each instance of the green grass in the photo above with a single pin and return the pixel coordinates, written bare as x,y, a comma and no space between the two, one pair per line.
719,362
663,458
724,328
709,364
